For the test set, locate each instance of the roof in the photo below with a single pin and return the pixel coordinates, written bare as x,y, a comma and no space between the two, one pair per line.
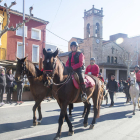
21,14
64,54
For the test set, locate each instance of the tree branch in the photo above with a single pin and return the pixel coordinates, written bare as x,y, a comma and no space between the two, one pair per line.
6,28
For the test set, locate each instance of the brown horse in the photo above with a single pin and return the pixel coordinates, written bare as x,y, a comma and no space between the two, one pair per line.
38,90
59,76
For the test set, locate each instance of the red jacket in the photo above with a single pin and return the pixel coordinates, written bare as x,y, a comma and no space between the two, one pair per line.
138,76
101,78
78,65
94,69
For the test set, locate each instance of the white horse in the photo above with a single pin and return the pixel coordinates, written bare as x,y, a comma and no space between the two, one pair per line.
134,90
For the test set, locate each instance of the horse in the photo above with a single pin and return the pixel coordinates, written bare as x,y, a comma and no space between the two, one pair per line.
64,91
134,90
37,88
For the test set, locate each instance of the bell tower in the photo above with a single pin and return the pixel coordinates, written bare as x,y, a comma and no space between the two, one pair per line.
93,31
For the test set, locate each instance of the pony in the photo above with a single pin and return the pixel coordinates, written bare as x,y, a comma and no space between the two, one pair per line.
64,91
37,88
134,90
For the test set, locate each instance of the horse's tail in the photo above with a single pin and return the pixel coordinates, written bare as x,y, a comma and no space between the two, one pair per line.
99,100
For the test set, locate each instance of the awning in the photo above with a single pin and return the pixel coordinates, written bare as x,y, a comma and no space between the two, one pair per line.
8,64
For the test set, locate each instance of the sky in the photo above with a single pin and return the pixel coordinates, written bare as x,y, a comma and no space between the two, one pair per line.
66,17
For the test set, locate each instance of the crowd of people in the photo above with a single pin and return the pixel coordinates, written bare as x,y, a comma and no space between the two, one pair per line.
7,83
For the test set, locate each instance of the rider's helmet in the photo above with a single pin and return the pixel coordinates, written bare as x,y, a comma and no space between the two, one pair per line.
99,73
92,59
49,50
74,43
137,66
128,76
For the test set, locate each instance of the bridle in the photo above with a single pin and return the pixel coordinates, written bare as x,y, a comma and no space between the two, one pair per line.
52,72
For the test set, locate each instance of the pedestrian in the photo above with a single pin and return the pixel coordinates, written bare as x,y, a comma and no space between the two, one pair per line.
112,87
10,84
121,83
19,90
2,84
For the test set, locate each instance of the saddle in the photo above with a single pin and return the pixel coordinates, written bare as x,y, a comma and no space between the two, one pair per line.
88,81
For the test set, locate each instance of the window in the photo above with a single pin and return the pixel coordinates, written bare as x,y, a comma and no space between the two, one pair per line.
19,31
20,50
108,59
88,30
115,60
35,54
36,34
97,30
112,59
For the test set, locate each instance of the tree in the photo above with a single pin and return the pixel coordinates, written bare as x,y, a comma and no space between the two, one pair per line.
6,28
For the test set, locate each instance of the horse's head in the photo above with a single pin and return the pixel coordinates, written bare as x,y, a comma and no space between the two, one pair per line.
49,64
20,68
132,78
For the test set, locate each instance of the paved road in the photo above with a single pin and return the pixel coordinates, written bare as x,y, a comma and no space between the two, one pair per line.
116,123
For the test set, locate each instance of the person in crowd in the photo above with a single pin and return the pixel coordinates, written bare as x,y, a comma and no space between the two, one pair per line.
92,69
76,62
19,90
2,84
100,77
112,87
10,84
121,83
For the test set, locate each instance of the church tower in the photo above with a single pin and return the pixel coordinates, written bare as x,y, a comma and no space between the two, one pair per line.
93,31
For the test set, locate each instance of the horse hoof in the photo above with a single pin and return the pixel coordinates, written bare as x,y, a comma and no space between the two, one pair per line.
91,126
70,133
39,122
83,116
56,137
133,113
70,116
86,124
35,124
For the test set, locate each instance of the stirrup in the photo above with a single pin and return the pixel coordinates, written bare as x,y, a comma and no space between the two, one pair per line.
84,97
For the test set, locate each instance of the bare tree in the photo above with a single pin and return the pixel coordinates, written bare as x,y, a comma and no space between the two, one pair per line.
6,28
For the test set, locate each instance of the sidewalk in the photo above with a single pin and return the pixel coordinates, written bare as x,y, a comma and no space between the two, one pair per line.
25,103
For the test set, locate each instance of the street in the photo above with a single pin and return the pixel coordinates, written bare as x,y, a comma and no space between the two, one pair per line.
115,123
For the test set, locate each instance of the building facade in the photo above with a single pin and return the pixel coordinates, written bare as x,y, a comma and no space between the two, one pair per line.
110,55
35,38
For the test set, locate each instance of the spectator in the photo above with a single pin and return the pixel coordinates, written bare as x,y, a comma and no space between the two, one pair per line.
112,87
101,77
19,90
121,83
10,85
2,84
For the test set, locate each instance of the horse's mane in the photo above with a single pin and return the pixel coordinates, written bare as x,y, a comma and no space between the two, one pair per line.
33,69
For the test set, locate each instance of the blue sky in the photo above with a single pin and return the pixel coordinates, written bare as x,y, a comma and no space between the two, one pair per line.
120,16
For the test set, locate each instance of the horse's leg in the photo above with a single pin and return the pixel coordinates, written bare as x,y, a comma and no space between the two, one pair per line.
61,120
133,102
84,112
96,111
40,114
71,132
34,114
70,109
88,106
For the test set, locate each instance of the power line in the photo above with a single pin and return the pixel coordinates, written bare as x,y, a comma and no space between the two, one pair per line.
57,35
56,14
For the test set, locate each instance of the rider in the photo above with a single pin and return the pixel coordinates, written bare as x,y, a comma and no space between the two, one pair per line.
92,69
137,71
101,77
76,63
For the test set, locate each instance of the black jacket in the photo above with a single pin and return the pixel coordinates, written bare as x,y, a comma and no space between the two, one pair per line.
2,80
10,80
20,82
112,86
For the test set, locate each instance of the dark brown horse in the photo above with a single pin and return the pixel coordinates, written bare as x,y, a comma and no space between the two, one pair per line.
37,88
56,74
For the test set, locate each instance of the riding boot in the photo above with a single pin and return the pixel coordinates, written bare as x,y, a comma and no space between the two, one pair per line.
84,95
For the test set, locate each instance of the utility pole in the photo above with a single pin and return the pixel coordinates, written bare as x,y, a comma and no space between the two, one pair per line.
24,28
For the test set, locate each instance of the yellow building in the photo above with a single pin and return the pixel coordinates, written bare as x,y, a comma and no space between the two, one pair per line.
3,39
